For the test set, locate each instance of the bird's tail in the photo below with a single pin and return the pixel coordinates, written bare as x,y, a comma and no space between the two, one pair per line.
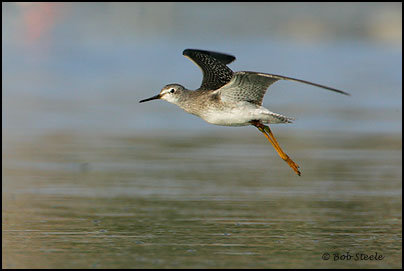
278,118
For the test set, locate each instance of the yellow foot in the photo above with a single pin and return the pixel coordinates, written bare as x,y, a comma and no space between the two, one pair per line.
271,138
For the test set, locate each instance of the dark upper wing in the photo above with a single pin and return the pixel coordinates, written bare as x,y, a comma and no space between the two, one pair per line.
251,86
213,65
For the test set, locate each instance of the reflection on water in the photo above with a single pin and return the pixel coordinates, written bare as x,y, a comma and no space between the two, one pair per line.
74,201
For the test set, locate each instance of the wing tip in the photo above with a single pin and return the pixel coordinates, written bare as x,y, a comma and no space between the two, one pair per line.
281,77
346,93
337,90
189,51
222,57
186,52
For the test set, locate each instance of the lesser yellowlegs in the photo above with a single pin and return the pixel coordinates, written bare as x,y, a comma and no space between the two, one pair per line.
230,98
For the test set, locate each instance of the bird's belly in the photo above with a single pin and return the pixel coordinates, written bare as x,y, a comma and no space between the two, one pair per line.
231,117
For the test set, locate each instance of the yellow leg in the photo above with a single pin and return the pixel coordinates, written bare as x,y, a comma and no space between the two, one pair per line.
268,134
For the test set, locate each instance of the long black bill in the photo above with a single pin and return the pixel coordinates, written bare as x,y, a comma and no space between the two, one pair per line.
151,98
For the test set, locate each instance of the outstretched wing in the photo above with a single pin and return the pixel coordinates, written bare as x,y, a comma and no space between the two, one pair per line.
251,86
213,65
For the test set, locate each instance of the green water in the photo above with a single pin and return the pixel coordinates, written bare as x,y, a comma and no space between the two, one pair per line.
207,201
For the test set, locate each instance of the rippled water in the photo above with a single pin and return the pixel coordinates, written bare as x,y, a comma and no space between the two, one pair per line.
202,201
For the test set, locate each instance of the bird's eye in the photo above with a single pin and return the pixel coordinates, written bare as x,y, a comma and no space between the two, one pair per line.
172,90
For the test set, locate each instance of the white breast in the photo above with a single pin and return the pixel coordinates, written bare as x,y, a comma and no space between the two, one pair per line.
236,116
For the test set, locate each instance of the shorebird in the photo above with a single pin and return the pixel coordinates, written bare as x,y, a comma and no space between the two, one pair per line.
231,98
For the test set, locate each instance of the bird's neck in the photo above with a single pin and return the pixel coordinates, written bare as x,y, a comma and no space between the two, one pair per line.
191,101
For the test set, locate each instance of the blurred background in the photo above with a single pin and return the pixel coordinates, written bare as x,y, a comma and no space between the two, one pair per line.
92,178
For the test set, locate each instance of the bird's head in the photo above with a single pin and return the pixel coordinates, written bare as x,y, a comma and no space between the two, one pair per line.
171,93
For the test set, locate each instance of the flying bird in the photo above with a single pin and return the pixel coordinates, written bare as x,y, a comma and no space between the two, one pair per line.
231,98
